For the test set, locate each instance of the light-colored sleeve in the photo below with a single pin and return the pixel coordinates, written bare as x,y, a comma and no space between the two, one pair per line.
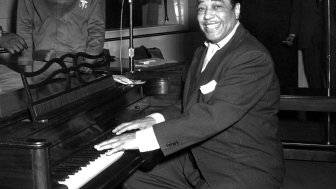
158,117
146,138
96,27
24,28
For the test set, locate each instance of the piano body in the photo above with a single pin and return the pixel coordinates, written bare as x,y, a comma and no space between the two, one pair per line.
42,150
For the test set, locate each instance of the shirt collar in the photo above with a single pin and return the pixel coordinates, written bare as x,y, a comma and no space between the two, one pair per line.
224,41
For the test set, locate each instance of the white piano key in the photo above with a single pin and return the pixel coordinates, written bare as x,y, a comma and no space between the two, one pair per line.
85,174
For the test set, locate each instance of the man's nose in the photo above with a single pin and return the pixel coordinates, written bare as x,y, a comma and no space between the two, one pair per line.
208,14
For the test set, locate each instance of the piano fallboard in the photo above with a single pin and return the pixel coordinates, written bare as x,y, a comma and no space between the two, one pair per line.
31,153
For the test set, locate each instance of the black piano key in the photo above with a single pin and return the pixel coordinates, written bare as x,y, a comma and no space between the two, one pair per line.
67,170
72,168
62,173
78,164
60,176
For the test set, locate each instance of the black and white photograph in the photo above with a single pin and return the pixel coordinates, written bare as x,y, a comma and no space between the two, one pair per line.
167,94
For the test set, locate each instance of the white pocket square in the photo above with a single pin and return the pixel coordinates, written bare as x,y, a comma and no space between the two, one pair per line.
209,87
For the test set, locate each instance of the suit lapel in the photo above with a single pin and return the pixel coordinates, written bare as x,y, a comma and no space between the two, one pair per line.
220,55
194,73
192,86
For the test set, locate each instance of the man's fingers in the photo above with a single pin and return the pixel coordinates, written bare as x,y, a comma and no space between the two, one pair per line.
23,43
119,127
85,70
20,47
105,145
17,48
119,143
137,124
115,150
11,50
123,127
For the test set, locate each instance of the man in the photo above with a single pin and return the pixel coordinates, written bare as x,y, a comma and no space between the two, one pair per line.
227,135
53,28
11,42
306,24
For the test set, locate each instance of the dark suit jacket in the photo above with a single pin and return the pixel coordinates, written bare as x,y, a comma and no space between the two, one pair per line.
232,131
306,21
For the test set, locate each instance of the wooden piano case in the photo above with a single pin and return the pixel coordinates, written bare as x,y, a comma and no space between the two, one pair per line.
32,152
24,164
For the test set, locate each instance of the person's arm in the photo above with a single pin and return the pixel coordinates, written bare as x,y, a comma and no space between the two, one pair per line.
96,28
11,42
24,28
294,26
290,39
238,90
144,139
295,17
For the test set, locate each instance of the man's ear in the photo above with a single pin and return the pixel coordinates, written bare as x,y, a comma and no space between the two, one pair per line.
237,10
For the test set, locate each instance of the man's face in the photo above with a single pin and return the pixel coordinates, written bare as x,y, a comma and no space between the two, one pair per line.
217,18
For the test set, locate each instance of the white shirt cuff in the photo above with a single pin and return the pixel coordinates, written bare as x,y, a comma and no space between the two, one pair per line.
146,140
158,117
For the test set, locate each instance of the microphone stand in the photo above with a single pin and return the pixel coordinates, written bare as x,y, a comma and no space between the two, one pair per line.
131,47
166,12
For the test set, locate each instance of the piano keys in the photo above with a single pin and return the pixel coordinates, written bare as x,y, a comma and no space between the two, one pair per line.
88,171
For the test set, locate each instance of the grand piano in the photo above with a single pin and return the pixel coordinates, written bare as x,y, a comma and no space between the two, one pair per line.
47,137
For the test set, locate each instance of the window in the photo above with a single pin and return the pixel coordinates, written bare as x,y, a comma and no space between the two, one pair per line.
149,16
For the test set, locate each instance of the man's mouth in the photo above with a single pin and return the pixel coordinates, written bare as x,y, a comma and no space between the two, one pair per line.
212,26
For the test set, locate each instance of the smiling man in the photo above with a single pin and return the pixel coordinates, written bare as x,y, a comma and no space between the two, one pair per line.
227,134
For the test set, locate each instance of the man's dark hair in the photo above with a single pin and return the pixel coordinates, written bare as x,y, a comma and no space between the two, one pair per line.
233,2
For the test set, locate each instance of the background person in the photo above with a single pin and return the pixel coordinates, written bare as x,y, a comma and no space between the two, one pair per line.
306,25
10,79
53,28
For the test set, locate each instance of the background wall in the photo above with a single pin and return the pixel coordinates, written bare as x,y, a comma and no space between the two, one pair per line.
179,46
7,14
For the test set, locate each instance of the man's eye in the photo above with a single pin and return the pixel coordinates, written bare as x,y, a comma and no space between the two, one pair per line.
200,9
217,6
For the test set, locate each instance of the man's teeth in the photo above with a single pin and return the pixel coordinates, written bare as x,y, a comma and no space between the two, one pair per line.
212,26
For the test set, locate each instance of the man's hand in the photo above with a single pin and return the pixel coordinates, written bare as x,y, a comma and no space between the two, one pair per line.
289,40
118,143
87,70
125,141
134,125
12,42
